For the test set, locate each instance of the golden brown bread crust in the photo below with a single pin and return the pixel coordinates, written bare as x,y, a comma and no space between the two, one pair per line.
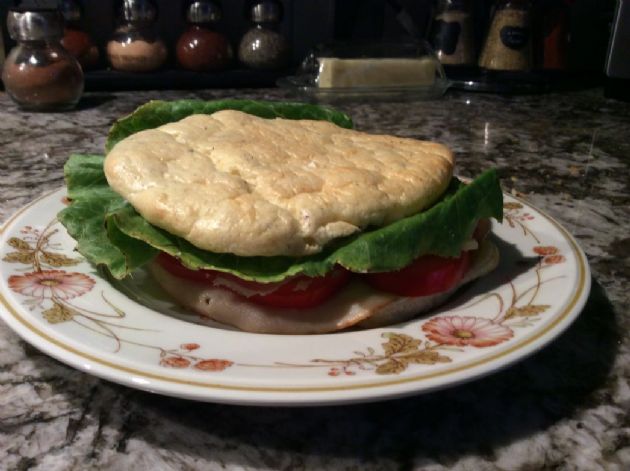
234,183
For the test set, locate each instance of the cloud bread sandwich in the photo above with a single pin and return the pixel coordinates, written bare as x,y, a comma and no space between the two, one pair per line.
231,182
280,218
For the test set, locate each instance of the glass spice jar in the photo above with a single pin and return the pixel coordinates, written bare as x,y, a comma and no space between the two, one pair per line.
508,44
39,74
263,46
135,45
200,47
75,40
452,33
553,49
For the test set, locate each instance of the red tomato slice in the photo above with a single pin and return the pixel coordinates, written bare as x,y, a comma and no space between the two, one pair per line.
299,291
427,275
175,267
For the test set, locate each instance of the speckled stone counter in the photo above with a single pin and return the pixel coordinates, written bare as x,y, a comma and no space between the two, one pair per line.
566,407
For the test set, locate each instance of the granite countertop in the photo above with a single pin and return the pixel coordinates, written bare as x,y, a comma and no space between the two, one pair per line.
566,407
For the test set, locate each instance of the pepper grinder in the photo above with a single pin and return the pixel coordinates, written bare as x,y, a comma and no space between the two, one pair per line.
39,74
75,40
135,46
263,47
200,47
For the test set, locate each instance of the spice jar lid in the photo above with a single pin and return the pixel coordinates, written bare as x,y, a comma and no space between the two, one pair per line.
70,10
266,11
34,24
204,12
138,11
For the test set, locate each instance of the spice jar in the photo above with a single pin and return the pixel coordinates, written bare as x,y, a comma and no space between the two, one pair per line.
554,50
508,45
76,41
200,47
39,74
263,47
135,46
452,33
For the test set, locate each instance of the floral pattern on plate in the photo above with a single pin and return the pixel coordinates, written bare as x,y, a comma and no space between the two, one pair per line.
49,280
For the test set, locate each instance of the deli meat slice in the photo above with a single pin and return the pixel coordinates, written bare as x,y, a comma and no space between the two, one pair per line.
356,305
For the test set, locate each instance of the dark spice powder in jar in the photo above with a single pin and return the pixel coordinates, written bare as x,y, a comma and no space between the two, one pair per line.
39,74
263,48
37,87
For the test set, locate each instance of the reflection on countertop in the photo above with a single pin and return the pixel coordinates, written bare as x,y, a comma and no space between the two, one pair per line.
566,407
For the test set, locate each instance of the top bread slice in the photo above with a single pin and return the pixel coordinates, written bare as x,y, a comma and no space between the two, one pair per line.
234,183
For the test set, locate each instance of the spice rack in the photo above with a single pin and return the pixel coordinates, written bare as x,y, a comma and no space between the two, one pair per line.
99,19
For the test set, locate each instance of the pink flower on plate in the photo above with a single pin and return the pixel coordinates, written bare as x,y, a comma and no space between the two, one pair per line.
545,250
213,364
554,259
175,362
51,283
466,330
189,346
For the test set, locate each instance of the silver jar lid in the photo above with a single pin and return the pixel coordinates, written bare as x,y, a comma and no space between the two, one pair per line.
138,11
266,11
34,24
204,12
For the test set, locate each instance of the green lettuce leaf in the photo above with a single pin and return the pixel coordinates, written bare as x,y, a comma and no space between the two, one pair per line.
91,201
109,232
441,230
156,113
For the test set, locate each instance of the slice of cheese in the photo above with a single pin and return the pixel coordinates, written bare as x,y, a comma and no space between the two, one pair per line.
234,183
343,73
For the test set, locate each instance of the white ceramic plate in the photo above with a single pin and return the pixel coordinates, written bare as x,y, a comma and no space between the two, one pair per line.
131,335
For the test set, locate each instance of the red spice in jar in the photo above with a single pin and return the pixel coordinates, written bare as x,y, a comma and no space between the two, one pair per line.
202,49
80,45
56,85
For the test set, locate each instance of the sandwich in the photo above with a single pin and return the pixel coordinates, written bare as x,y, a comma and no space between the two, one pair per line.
279,217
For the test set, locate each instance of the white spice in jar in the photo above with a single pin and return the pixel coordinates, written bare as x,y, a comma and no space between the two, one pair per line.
137,56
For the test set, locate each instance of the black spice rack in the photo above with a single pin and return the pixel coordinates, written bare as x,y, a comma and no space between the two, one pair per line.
175,79
305,23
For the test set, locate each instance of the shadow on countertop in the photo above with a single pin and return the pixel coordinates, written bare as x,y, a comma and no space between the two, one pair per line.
94,100
475,418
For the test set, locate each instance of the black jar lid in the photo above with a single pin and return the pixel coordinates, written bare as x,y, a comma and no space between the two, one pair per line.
34,24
